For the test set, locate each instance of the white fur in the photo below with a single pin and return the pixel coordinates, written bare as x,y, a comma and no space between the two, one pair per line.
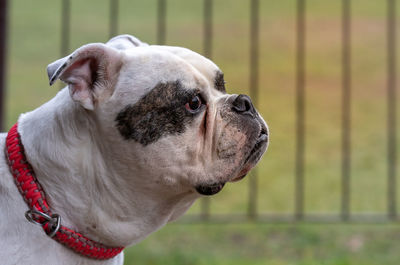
111,190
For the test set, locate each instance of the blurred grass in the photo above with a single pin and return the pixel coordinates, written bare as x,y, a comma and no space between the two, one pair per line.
35,42
255,244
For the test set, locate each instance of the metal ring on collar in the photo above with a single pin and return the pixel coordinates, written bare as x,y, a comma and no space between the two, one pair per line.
54,220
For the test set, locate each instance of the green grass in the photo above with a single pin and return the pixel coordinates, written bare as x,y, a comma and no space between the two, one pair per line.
34,43
255,244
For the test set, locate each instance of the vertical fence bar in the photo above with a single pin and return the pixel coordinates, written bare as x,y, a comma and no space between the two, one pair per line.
65,26
162,23
391,110
346,110
114,6
3,57
254,84
207,30
300,84
207,45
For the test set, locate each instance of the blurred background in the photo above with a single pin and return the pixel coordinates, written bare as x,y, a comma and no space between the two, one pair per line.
322,73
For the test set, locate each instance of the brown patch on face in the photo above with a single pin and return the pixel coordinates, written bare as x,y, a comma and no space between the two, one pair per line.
159,113
219,82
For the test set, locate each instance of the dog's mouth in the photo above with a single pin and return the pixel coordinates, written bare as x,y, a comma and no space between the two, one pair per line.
254,156
258,149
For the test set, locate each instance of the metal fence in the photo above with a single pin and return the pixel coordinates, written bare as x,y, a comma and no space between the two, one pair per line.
299,213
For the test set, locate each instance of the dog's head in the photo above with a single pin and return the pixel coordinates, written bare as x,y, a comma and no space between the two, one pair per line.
164,114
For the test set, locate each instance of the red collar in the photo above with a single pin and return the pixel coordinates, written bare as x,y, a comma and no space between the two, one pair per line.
40,212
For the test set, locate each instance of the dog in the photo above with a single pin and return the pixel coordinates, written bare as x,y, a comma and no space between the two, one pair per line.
137,135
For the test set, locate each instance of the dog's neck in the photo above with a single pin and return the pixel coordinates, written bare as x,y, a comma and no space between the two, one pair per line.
85,183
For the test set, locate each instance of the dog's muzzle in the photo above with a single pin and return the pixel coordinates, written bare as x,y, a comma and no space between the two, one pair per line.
243,106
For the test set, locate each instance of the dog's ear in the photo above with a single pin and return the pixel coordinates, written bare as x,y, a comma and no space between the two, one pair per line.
89,72
123,42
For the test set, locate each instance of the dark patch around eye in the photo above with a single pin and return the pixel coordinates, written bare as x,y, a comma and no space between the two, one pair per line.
161,112
219,82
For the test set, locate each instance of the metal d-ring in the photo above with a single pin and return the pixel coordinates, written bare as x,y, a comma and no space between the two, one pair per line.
54,220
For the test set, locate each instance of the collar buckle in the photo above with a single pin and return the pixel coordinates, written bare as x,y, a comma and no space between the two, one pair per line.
40,218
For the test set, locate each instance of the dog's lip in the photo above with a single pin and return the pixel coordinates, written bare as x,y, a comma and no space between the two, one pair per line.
210,189
248,165
261,140
242,174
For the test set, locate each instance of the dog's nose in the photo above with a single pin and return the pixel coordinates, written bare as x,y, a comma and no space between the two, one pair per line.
243,105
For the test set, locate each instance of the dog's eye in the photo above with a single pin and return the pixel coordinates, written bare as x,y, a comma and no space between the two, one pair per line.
194,104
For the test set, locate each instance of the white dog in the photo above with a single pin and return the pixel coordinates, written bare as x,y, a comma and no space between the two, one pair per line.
139,134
